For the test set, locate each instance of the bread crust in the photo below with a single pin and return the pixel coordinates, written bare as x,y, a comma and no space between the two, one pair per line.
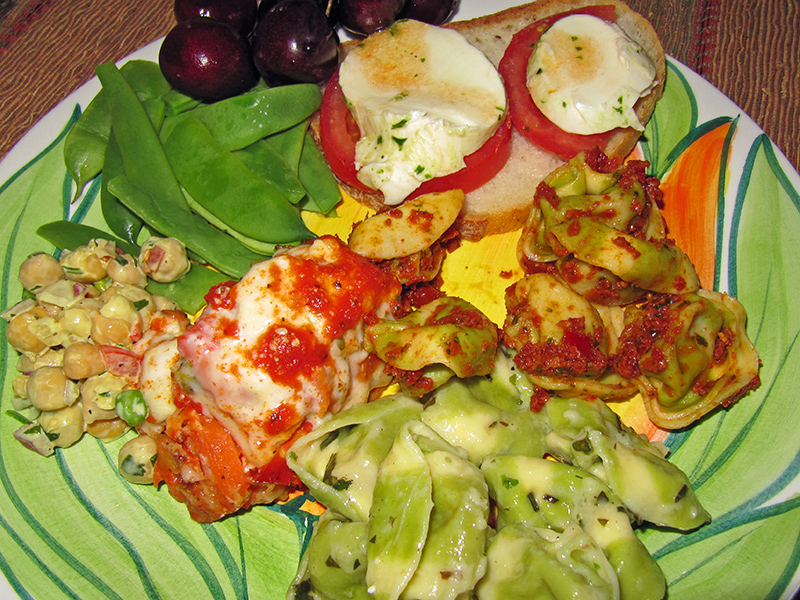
503,204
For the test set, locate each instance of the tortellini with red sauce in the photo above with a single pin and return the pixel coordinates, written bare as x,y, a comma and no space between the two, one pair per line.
609,306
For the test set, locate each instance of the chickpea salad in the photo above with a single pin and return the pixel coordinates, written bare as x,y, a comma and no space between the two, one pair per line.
80,335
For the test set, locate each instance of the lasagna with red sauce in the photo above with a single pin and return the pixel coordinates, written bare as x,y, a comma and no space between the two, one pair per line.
268,358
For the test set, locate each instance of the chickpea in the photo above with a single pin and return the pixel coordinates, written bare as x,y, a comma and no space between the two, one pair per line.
51,358
67,423
20,335
49,389
48,330
76,322
162,303
164,259
136,459
123,269
83,360
107,429
120,307
20,386
39,271
111,331
98,395
140,299
88,264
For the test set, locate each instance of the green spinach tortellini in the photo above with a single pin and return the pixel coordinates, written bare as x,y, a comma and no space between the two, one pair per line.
546,494
334,565
339,461
474,496
589,435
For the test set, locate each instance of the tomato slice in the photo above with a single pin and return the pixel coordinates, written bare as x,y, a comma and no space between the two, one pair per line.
527,118
339,133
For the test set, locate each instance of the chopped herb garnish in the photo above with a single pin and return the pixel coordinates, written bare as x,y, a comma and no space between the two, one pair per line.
131,467
342,484
19,417
509,482
399,141
400,123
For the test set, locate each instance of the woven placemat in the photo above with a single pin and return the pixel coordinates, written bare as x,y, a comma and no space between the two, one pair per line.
16,15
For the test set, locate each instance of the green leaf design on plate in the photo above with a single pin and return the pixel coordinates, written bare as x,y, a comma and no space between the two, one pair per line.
674,118
771,534
740,459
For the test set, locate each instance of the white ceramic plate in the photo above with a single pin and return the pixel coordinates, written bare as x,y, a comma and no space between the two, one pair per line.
70,527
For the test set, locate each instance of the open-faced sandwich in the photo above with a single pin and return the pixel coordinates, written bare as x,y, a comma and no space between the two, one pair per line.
490,105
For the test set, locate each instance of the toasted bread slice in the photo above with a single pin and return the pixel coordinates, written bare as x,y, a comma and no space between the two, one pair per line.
503,204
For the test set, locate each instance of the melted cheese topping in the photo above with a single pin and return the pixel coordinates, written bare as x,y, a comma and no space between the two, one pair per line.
423,98
284,345
586,75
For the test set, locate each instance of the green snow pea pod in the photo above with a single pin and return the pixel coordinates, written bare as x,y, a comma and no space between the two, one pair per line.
257,246
289,143
66,235
85,144
190,290
322,189
216,179
402,503
119,218
149,187
339,460
242,120
172,218
266,162
526,562
176,103
334,565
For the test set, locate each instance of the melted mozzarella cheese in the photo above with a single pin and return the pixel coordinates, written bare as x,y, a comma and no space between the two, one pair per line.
289,347
586,74
423,98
